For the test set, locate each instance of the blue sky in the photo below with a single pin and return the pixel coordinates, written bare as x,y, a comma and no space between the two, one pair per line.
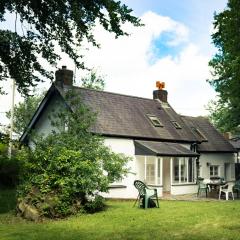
195,14
174,46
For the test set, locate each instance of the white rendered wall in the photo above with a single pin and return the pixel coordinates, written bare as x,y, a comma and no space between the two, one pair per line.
183,189
125,146
218,159
43,126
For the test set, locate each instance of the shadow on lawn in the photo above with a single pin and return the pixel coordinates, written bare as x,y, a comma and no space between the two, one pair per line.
7,200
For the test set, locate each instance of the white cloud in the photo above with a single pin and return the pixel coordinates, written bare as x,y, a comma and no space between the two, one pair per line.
126,61
185,76
129,70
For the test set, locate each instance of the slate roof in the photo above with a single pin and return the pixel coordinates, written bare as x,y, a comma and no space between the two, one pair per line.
162,149
215,141
126,116
235,142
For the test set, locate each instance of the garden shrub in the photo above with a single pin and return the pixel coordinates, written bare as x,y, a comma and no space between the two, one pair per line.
95,205
58,175
9,171
67,167
9,168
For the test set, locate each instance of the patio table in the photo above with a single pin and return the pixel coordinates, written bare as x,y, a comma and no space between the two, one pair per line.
215,186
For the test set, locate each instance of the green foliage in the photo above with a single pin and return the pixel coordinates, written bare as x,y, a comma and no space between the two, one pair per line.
7,201
95,205
226,65
46,23
93,81
9,168
4,139
3,148
221,117
9,171
23,112
69,165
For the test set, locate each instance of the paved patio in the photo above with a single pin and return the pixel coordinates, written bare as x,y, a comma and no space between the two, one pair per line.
193,197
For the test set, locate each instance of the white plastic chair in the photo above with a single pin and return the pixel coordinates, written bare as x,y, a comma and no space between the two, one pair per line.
227,188
206,181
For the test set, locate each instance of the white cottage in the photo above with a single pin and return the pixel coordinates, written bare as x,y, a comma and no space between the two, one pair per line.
169,151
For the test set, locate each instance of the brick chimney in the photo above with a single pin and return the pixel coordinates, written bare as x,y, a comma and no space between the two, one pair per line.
160,94
227,135
64,77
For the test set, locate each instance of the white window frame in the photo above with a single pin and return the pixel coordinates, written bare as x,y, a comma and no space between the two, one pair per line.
213,171
182,179
157,171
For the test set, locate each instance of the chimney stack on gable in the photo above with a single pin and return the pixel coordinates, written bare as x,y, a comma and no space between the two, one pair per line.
160,94
64,77
227,135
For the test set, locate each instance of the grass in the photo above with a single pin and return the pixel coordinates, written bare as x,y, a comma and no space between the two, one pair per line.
173,220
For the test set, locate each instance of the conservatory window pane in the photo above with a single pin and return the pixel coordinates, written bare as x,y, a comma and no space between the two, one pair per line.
153,167
175,170
150,176
183,170
191,170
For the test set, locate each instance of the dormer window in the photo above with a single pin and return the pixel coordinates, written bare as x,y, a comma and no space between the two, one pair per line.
155,121
176,124
199,133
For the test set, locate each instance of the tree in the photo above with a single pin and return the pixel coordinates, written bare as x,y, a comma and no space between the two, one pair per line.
70,165
23,112
45,23
226,65
93,81
220,117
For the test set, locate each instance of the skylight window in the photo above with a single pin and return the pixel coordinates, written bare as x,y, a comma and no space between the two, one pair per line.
176,124
199,133
155,121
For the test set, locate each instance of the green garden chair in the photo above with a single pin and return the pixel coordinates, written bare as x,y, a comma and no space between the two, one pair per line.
202,187
145,195
236,187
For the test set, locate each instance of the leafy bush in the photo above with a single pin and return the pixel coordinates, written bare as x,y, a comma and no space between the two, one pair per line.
9,171
56,178
95,205
67,166
9,168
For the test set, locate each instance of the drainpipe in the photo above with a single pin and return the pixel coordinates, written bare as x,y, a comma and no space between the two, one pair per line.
197,166
193,147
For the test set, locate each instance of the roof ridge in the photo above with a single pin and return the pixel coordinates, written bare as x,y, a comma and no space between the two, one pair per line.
185,116
113,93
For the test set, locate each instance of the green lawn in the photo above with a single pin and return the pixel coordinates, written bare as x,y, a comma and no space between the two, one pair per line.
173,220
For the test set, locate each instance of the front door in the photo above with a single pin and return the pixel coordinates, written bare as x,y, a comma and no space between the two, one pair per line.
166,175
